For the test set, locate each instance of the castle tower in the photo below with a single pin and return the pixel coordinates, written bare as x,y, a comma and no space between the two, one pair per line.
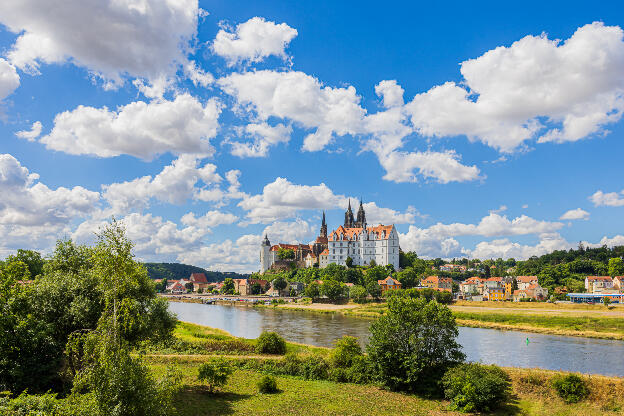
361,217
265,255
323,232
349,217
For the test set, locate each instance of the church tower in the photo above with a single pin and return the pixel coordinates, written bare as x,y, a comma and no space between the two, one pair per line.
265,252
349,217
323,232
361,217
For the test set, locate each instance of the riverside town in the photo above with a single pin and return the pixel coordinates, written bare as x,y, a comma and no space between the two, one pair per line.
311,208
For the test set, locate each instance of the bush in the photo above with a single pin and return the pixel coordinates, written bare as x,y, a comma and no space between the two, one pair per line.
270,343
346,348
358,294
314,367
267,385
571,388
291,365
215,373
360,371
476,387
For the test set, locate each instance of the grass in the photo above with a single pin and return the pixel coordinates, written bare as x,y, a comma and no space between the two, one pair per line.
197,339
532,395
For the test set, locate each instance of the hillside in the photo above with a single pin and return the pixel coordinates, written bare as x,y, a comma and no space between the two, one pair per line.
176,271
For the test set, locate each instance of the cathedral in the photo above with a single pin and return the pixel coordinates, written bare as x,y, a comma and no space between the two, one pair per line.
354,239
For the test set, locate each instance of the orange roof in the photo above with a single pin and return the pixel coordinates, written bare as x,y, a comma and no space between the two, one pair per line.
389,281
342,233
324,253
495,279
526,279
438,279
473,280
605,278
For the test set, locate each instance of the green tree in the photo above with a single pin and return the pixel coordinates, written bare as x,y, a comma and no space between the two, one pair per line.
312,291
16,269
344,352
358,293
285,254
616,267
349,262
413,344
256,289
408,278
32,259
214,373
373,289
280,284
228,286
333,290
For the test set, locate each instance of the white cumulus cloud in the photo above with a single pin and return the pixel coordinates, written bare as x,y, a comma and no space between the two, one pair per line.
140,129
111,38
9,79
31,134
609,199
253,41
575,214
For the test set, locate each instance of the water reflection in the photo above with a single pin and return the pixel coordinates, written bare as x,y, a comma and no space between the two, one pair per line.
489,346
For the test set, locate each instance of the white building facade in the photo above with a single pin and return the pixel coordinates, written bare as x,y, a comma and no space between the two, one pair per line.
363,245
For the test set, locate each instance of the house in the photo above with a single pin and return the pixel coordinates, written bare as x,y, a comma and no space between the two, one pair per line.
509,289
453,268
534,291
389,283
311,259
618,283
494,293
296,287
493,282
596,284
176,288
525,281
244,286
324,258
470,286
444,284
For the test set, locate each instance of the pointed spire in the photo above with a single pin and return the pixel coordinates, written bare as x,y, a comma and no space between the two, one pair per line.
323,223
349,204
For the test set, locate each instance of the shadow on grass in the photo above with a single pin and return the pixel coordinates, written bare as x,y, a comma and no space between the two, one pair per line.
509,408
197,400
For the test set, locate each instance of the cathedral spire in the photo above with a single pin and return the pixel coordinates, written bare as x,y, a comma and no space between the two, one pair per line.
349,217
323,232
361,216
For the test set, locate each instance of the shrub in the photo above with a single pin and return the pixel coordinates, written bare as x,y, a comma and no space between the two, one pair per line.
346,348
215,373
476,387
361,370
291,364
358,294
338,375
270,343
314,367
571,388
267,385
413,344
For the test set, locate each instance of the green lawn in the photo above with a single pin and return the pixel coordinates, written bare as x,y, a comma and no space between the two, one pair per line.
240,396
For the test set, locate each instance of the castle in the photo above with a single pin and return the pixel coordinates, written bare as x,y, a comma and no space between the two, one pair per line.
354,239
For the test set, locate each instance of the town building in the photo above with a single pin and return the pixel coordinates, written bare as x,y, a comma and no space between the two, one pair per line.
354,239
525,281
470,286
533,291
596,284
618,283
453,268
494,293
389,283
443,284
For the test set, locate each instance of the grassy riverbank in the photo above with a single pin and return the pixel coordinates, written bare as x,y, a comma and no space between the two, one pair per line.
532,388
592,321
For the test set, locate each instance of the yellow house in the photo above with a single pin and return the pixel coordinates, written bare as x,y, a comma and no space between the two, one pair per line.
495,293
389,283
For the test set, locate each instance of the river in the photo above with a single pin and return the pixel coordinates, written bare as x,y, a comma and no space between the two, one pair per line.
488,346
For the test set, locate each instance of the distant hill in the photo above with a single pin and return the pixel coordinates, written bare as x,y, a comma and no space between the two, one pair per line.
175,271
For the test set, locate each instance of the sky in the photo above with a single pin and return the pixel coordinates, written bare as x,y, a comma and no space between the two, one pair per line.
481,129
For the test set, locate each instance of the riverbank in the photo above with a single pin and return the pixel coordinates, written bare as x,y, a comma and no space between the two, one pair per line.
588,321
532,388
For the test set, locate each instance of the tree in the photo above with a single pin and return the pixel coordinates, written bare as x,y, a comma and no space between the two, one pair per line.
408,278
358,293
373,263
606,301
32,259
285,254
215,373
346,349
413,344
349,262
16,269
373,289
256,289
228,286
332,289
280,284
616,267
312,291
189,287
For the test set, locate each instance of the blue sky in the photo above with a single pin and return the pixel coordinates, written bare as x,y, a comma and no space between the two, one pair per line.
482,130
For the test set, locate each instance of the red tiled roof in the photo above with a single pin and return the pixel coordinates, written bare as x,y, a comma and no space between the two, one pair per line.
385,281
198,278
495,279
526,279
436,279
342,233
324,253
605,278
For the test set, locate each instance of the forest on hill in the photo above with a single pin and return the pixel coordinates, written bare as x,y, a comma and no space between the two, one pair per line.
175,271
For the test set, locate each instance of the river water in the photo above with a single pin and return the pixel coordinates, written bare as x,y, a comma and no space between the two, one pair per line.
488,346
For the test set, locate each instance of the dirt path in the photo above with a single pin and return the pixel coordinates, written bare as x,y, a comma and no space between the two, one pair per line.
535,311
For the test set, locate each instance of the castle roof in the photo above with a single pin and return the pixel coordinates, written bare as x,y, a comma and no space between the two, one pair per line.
351,233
